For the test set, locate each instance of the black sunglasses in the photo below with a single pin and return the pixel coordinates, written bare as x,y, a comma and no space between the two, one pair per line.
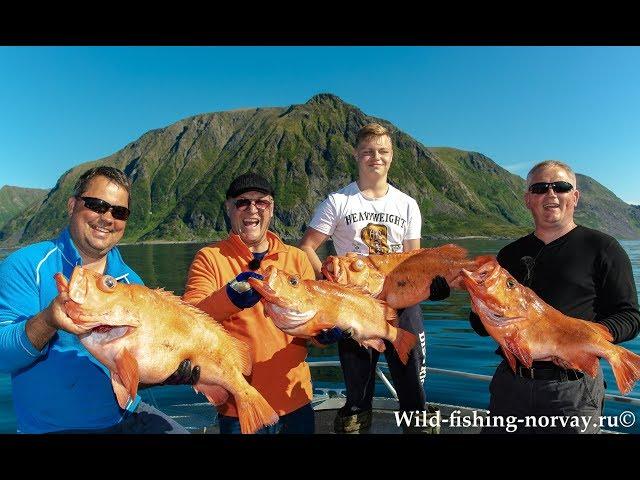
100,206
243,203
543,187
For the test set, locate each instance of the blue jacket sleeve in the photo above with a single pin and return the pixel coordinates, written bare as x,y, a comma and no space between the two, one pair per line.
19,301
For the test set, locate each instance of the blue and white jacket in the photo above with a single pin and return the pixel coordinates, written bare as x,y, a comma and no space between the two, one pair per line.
62,386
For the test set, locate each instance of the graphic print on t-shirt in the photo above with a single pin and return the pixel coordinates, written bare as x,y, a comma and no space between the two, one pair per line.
375,236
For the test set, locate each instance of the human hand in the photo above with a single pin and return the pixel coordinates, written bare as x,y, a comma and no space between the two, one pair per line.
56,314
184,375
439,289
240,292
331,335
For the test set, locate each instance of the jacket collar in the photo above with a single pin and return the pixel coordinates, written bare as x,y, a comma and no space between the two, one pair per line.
115,265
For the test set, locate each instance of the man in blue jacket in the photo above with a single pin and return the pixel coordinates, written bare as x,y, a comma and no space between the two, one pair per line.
57,385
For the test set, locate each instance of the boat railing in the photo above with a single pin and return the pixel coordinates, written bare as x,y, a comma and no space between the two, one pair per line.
452,373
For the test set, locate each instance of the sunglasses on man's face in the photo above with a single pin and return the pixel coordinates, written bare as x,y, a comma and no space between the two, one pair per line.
243,203
100,206
543,187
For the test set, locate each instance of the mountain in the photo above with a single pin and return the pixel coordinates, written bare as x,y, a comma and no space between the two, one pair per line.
600,208
181,172
14,200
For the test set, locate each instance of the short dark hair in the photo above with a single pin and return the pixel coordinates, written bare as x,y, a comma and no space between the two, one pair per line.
112,173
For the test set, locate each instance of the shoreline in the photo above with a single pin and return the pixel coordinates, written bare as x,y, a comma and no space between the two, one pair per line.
176,242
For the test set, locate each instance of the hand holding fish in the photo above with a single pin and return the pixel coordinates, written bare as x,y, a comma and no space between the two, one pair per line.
56,313
240,292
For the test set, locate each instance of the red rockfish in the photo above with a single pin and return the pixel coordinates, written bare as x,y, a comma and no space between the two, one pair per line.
303,308
142,335
528,329
401,279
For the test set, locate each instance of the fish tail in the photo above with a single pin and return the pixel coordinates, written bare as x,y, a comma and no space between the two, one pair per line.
403,344
626,369
253,411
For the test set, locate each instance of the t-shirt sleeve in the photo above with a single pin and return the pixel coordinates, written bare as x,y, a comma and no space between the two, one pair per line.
325,218
414,223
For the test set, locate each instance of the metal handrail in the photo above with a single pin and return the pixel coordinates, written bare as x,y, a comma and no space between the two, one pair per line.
454,373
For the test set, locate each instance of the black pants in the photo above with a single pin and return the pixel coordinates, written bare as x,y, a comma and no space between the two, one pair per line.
359,366
145,419
523,405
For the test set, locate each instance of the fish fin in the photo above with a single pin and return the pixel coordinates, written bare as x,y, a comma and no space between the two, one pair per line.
510,358
122,394
390,314
449,250
562,363
601,330
403,344
626,368
517,345
241,350
585,362
253,410
482,259
375,343
216,394
127,370
359,289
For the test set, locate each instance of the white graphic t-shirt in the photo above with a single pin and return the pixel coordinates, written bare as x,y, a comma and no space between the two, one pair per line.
367,226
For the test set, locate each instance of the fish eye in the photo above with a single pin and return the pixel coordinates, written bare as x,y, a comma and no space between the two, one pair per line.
294,280
107,283
358,265
511,283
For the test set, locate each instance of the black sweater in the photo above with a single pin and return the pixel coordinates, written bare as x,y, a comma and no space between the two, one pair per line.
584,274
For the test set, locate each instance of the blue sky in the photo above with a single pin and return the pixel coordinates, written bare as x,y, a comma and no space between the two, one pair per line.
62,106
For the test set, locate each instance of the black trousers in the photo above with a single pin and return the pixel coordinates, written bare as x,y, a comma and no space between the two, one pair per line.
524,405
359,366
145,419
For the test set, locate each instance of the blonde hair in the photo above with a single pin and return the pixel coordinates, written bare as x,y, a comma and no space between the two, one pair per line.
550,164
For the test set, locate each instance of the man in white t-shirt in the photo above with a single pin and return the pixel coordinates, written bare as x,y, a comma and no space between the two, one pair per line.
369,216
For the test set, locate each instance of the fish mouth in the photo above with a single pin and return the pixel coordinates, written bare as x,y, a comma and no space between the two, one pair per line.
481,277
264,288
103,334
287,319
491,315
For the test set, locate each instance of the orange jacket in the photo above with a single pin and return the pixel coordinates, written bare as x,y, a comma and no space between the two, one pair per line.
279,371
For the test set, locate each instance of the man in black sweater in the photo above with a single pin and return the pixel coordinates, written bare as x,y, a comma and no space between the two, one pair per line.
584,274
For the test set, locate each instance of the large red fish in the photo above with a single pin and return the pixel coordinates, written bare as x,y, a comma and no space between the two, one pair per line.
303,308
142,335
401,279
529,329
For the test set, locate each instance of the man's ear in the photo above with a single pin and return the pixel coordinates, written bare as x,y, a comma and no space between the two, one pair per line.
576,195
71,203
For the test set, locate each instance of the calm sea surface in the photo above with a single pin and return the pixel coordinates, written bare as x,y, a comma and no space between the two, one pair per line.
451,343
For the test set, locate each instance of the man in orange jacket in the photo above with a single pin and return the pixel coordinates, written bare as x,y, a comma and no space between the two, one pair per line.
217,285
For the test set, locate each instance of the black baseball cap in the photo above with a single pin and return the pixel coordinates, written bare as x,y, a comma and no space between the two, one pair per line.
249,182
